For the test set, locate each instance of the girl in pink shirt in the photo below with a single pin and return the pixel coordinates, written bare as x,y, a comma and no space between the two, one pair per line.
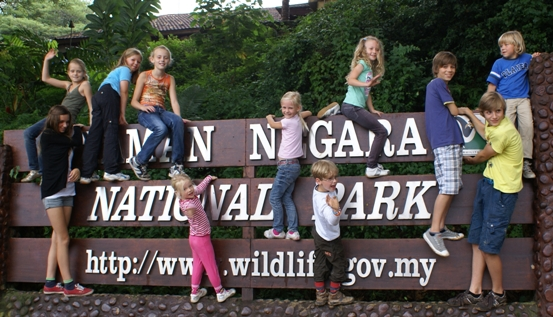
288,171
200,237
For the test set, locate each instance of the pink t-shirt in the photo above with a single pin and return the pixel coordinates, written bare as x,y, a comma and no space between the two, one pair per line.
199,225
291,146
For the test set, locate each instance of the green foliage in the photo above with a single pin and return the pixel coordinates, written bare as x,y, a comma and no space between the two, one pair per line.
42,17
117,25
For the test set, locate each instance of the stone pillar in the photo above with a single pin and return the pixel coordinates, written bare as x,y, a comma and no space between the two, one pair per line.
541,85
5,189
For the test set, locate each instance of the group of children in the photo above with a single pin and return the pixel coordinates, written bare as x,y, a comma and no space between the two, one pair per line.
508,153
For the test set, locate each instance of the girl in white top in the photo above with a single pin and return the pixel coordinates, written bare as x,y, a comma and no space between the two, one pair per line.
289,151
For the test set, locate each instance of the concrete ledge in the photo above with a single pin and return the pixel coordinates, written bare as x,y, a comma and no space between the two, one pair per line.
35,304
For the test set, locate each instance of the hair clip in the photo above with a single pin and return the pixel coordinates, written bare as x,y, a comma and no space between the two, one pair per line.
364,39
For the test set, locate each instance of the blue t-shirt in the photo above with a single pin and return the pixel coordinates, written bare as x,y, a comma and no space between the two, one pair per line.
116,76
441,127
510,76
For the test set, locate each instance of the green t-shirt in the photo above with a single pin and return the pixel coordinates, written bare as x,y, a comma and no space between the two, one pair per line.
357,96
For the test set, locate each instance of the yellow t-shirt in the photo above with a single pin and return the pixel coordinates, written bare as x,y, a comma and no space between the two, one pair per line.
505,168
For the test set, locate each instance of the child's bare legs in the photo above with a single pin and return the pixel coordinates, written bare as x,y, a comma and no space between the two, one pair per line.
441,206
58,255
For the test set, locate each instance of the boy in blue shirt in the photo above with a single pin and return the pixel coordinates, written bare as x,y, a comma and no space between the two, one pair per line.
509,77
446,141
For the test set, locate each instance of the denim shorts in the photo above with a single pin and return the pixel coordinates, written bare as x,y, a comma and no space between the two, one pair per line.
490,217
448,167
58,202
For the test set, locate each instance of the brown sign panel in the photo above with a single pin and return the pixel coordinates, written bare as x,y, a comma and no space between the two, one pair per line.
251,142
207,143
342,141
373,264
392,200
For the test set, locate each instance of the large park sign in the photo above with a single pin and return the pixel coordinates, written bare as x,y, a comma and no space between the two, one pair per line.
254,262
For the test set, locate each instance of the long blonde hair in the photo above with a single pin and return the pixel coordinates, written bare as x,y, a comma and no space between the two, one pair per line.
295,98
360,53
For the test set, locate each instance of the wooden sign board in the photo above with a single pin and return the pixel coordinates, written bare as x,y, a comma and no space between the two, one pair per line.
389,201
374,264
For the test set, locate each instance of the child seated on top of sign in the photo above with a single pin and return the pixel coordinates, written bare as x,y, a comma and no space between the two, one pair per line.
446,141
495,200
329,253
203,254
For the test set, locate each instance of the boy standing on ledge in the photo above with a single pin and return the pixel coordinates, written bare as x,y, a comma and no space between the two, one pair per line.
495,200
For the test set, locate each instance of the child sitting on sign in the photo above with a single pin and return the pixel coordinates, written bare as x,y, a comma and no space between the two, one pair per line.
495,200
329,253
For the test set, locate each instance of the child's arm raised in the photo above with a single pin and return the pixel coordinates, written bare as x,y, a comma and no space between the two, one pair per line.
305,114
64,84
478,125
272,123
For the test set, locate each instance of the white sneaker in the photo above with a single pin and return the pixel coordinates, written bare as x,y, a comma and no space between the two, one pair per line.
116,177
176,169
226,293
293,236
94,177
376,172
527,170
270,234
330,110
194,298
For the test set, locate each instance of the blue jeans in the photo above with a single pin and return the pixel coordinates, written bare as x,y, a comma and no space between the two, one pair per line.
30,135
490,217
161,122
281,194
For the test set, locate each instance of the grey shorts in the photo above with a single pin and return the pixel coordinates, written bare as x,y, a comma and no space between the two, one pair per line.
58,202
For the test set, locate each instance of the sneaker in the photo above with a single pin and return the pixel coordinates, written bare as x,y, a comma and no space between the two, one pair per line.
330,110
339,298
451,235
88,180
116,177
376,172
293,235
226,293
322,298
463,299
526,170
491,301
270,234
79,290
58,289
139,170
436,243
33,174
194,298
176,169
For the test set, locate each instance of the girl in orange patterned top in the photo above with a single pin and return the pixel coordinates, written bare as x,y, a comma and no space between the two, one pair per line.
149,97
